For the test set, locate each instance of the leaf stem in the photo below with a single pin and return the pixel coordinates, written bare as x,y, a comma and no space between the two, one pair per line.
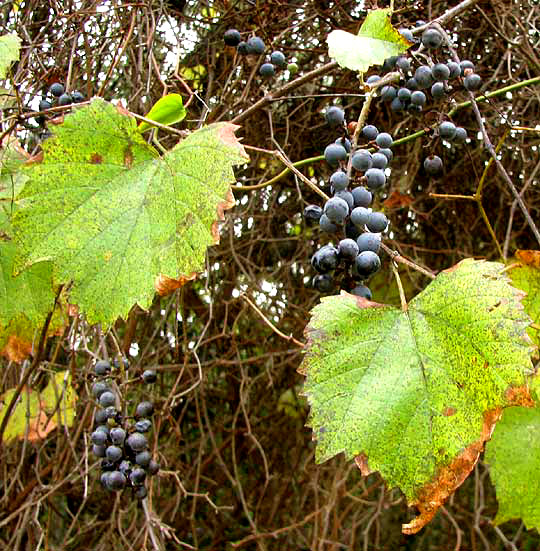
404,306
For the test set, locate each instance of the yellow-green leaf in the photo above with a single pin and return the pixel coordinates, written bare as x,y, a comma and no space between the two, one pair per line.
10,45
167,110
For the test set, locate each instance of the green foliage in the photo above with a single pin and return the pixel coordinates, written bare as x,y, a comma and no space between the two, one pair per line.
12,179
39,413
376,41
513,454
10,45
527,278
410,388
112,215
167,110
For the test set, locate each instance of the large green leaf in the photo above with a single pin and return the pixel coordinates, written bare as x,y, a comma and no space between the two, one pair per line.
376,41
112,215
12,179
10,45
416,392
513,455
526,276
37,414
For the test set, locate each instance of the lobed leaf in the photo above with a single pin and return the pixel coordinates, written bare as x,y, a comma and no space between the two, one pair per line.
415,394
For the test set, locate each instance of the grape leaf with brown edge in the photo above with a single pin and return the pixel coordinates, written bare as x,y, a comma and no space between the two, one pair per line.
414,394
526,276
36,414
513,456
113,215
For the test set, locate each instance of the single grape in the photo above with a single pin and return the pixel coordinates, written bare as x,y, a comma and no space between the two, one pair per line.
125,363
359,216
387,152
107,399
464,65
143,425
144,409
327,225
433,164
98,451
367,263
375,178
334,153
323,283
339,180
243,48
412,108
255,45
77,97
384,140
118,435
432,38
455,69
406,33
361,160
149,376
346,143
404,95
418,98
56,89
278,59
388,93
153,468
348,249
325,259
116,480
447,130
372,80
103,428
99,387
377,222
143,458
380,160
44,105
420,23
312,212
336,209
114,453
396,105
141,492
472,82
292,68
370,132
65,99
347,196
412,84
335,116
369,242
423,77
232,37
102,367
104,479
438,91
362,196
125,467
404,64
440,72
99,438
137,476
267,70
100,417
389,63
461,134
137,441
110,412
362,291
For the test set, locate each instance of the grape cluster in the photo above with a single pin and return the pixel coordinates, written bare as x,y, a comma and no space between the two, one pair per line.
58,96
433,80
121,441
255,46
348,210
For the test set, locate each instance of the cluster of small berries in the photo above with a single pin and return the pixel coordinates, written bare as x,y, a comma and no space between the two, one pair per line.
349,209
121,440
58,96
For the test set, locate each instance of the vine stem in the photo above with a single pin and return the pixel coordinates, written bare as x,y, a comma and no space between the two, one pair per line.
489,145
403,300
33,366
397,257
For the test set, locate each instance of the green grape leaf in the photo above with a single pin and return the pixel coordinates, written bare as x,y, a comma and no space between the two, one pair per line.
167,110
10,45
12,180
376,41
526,276
36,414
25,301
114,216
414,394
513,456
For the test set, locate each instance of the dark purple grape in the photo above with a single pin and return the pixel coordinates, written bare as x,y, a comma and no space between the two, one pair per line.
137,442
99,387
369,242
433,164
255,45
432,38
102,367
149,376
380,160
56,89
359,216
99,438
153,468
327,225
375,178
334,153
361,160
447,130
339,180
472,82
336,209
370,132
335,116
114,453
116,480
362,291
118,435
278,59
143,458
232,37
267,70
312,212
323,283
144,409
325,259
367,263
107,399
137,476
377,222
143,425
348,249
362,196
384,140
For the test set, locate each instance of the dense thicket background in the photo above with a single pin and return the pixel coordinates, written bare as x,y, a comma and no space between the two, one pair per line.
238,469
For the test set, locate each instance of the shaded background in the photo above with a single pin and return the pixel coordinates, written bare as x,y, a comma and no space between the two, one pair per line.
238,469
